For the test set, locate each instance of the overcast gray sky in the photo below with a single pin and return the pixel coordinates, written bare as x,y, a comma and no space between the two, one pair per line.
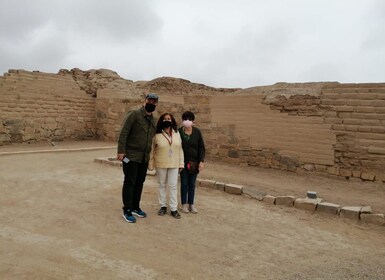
220,43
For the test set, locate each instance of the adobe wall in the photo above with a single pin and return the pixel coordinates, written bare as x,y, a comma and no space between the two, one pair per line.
330,128
176,96
39,107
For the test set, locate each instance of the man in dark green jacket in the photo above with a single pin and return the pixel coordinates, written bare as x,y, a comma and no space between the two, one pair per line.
134,147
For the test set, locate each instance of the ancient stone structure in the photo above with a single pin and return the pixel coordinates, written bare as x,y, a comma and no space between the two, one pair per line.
309,127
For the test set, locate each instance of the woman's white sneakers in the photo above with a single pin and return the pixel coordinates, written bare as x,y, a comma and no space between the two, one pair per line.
188,208
193,209
184,208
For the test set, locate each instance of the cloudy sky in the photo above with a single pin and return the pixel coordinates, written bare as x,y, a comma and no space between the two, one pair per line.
220,43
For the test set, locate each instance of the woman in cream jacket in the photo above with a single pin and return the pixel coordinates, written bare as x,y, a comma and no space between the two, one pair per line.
167,157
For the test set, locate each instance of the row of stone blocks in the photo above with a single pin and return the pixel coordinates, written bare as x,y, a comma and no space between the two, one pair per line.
364,214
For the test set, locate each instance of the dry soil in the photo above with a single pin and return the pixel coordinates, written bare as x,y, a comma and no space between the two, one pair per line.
60,218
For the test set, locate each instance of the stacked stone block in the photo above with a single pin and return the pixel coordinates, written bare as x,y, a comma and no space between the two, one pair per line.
110,114
39,107
357,115
337,129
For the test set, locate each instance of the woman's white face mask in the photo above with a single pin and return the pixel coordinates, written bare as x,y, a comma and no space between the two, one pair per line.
187,123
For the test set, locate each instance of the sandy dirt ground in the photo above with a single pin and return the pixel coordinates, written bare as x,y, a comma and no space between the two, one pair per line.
60,218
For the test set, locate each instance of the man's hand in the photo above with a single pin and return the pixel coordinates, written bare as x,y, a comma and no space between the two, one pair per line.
120,156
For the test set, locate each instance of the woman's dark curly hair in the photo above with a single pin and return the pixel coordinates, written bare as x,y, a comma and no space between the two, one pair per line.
159,126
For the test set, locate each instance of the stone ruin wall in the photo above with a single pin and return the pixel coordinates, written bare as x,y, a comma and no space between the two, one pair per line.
38,107
176,96
326,127
329,128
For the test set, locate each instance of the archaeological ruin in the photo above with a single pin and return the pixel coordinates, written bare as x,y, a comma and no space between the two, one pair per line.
329,127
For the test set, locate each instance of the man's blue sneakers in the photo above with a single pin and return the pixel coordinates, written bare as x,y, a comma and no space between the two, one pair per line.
129,217
139,213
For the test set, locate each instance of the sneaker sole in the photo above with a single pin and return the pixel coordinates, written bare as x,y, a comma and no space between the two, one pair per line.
128,221
140,216
185,212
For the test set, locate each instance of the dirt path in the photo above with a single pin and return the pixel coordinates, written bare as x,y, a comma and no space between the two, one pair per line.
60,218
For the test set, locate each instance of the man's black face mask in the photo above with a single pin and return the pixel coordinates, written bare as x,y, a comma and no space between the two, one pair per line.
150,107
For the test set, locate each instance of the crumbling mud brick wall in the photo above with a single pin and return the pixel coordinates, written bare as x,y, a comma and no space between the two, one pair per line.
323,127
39,107
112,112
309,127
176,96
357,116
263,127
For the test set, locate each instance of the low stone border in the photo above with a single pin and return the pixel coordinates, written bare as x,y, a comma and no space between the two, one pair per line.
363,214
310,203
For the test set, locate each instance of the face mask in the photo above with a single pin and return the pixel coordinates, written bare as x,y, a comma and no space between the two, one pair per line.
187,123
150,107
166,124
